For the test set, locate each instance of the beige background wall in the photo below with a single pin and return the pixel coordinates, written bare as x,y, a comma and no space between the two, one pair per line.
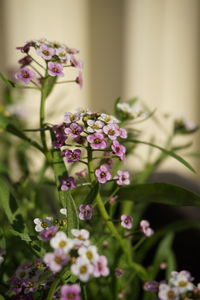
148,48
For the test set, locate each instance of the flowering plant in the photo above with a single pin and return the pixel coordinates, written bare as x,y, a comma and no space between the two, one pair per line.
80,233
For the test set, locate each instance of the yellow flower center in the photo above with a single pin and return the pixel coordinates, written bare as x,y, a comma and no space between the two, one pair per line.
62,244
89,255
83,269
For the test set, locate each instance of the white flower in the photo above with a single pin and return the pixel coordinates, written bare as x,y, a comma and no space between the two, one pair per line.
125,107
69,117
63,211
167,292
81,237
82,268
134,112
83,111
61,53
89,253
42,224
94,126
182,280
108,119
60,240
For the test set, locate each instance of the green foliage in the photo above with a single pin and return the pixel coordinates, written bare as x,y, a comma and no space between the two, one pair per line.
164,193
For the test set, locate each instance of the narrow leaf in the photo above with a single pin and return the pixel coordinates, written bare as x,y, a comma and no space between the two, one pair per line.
164,193
65,197
167,152
7,81
161,254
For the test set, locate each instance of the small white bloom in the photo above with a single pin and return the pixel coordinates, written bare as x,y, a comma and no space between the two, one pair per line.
60,240
108,119
167,292
82,268
89,253
69,117
42,224
83,111
182,280
94,126
61,53
63,211
125,107
81,237
134,112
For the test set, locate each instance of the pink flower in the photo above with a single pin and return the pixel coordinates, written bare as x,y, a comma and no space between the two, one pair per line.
75,62
79,79
100,267
126,221
60,136
25,61
145,227
96,141
45,52
70,292
26,47
81,174
122,133
103,174
48,233
71,155
123,177
25,75
85,211
55,260
112,131
74,130
118,149
68,184
55,69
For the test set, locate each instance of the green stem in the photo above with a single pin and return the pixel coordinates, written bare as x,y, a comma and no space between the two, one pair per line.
19,86
65,81
84,292
53,288
122,243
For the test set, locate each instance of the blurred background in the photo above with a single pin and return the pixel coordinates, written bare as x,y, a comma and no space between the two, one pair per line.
144,48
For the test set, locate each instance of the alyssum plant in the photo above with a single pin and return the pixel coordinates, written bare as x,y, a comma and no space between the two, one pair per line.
81,234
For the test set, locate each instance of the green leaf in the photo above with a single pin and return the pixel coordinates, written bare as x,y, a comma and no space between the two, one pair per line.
2,240
7,81
171,263
163,193
173,227
72,216
91,196
167,152
15,217
7,124
161,254
65,197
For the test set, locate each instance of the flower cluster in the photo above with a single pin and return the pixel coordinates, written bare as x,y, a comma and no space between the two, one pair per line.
78,254
56,57
49,226
26,279
97,132
179,287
